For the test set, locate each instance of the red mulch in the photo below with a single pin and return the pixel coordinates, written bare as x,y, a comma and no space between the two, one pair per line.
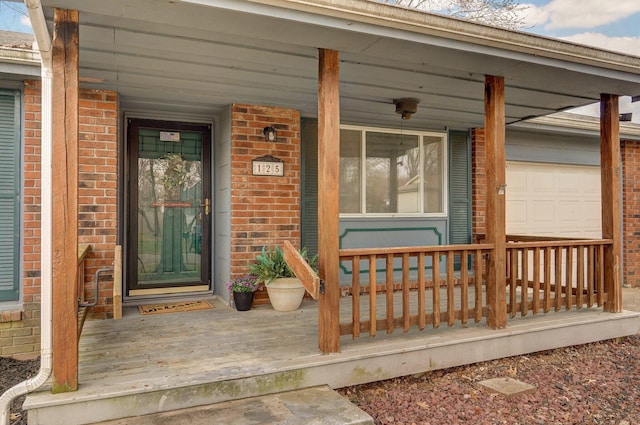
596,383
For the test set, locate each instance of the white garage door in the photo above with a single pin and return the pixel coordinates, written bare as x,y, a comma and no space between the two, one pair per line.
553,200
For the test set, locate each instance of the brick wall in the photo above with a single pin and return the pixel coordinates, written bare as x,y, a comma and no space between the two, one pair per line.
630,152
265,210
478,182
97,195
20,329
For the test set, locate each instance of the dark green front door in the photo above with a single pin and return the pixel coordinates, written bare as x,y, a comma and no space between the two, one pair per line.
169,206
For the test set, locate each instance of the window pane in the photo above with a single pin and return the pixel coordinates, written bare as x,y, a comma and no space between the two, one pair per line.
433,175
392,165
350,171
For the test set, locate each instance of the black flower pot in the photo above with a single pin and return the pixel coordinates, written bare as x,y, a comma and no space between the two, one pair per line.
243,300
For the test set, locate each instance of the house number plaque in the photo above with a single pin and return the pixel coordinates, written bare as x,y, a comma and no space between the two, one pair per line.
268,166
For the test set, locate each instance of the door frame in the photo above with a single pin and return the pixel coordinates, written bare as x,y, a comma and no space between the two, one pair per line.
130,198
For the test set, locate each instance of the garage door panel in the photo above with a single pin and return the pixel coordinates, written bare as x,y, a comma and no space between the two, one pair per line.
557,200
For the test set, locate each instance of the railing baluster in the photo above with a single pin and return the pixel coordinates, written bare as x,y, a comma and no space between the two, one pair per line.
580,276
524,283
406,311
512,282
600,290
547,279
558,265
372,295
389,293
451,306
464,286
479,273
568,302
535,302
421,290
355,296
435,262
591,264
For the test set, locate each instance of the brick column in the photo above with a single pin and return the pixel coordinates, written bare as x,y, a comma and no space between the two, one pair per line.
265,210
630,153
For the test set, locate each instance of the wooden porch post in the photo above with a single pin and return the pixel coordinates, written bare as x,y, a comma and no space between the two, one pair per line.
65,200
328,200
611,208
494,124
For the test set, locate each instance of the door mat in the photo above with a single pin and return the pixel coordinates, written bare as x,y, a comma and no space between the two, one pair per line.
175,307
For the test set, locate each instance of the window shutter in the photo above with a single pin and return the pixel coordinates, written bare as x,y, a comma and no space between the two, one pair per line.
9,195
459,188
309,140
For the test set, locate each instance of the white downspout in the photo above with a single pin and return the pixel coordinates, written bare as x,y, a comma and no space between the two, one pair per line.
44,45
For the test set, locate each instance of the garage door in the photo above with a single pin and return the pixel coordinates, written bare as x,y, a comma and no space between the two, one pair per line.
553,200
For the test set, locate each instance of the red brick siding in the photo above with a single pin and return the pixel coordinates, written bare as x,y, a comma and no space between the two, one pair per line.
97,195
630,152
20,330
478,182
265,211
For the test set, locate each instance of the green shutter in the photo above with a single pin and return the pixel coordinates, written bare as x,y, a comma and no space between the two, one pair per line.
9,195
309,140
459,188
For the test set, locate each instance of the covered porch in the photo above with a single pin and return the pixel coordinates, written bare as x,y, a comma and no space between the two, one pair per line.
147,364
454,303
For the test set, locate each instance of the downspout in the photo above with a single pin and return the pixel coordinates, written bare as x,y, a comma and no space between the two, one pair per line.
36,15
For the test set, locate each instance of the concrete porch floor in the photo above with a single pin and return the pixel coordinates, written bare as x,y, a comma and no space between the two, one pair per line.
147,364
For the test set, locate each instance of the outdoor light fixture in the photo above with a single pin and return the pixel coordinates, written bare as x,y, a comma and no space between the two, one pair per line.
270,134
406,106
626,116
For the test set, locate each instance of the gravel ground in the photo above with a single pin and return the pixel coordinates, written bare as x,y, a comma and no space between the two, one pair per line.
589,384
595,383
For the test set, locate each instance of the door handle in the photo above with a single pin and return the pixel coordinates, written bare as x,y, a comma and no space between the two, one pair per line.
206,205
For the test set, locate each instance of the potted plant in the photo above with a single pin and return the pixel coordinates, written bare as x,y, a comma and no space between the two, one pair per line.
242,288
284,288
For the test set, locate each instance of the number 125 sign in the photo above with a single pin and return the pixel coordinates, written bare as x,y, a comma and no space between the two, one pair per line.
268,168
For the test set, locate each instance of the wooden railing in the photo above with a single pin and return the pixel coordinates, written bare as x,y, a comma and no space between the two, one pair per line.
380,277
554,274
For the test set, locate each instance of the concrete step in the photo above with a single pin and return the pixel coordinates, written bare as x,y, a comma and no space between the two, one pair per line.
309,406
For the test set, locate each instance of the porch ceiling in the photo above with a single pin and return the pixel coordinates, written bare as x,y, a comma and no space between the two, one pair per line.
197,56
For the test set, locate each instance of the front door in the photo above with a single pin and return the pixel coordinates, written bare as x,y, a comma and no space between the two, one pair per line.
169,206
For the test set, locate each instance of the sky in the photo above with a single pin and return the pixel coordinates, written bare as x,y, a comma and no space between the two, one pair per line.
608,24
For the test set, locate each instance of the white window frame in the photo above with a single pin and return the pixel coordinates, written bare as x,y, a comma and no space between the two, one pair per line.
421,134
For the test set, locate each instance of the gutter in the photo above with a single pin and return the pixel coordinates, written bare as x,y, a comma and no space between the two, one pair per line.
46,318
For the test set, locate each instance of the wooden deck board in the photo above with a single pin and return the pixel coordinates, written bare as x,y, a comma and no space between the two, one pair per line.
222,354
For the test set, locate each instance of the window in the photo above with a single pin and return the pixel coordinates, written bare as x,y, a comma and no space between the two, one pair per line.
388,172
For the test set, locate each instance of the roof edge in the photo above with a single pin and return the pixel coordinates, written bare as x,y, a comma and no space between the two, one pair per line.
381,14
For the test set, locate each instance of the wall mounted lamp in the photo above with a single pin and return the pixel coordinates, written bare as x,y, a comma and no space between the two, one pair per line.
270,134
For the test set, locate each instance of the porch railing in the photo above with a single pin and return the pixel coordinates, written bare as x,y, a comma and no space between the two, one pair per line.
544,274
381,276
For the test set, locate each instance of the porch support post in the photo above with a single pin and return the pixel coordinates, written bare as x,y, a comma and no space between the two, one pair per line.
494,124
328,200
611,202
65,200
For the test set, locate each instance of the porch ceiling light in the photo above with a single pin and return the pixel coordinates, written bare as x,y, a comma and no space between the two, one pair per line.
270,134
406,106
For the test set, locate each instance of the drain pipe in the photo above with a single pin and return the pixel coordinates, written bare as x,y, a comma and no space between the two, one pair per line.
46,355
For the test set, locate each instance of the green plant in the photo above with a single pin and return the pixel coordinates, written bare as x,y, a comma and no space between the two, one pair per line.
270,264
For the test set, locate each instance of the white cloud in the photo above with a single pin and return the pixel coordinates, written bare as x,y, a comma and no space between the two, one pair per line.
561,14
24,20
629,45
625,105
